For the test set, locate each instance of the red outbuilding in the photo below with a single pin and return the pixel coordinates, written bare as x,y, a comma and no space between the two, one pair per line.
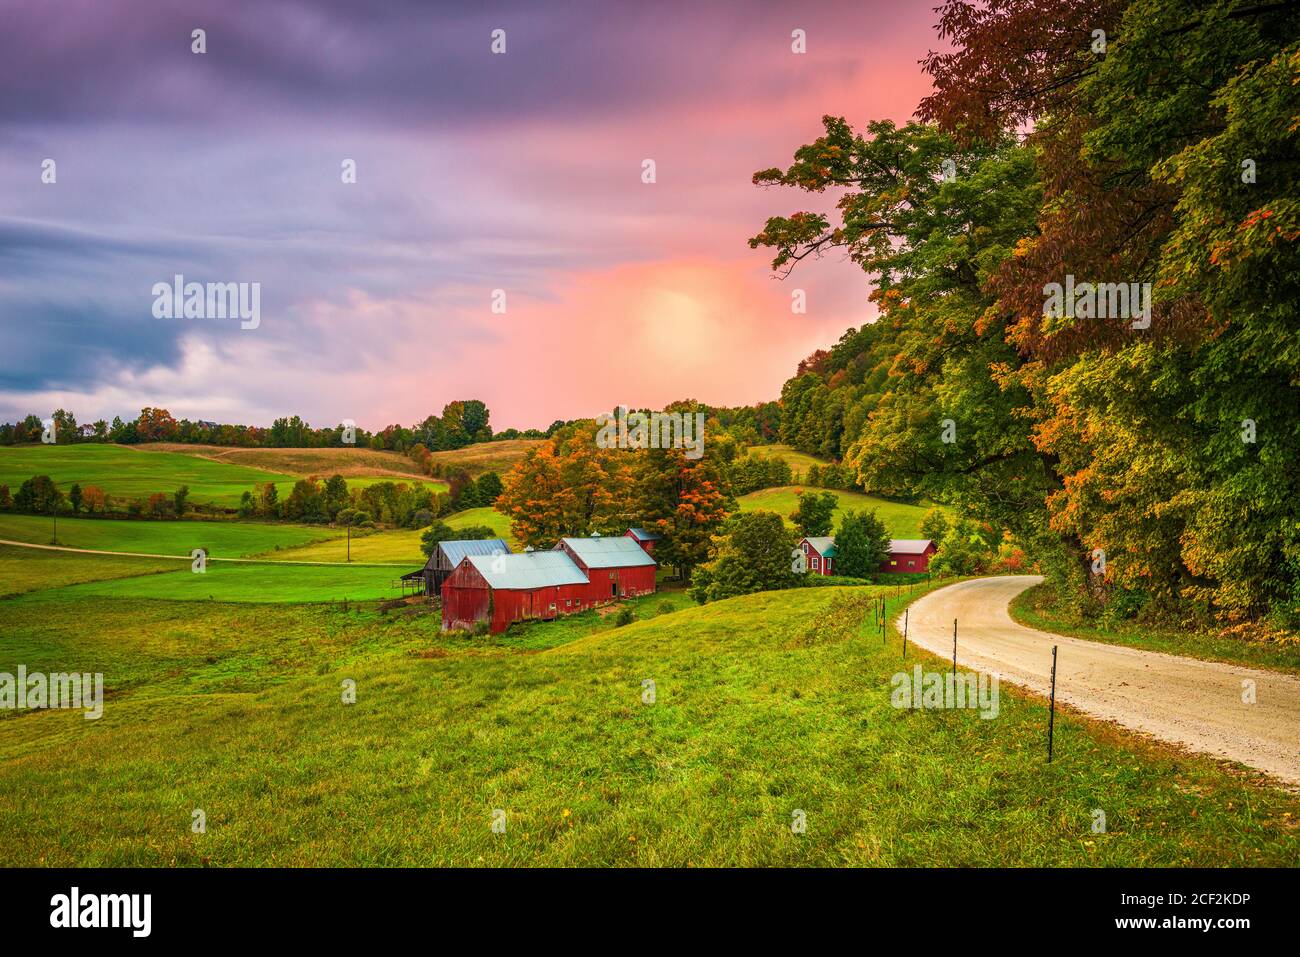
819,554
617,567
908,555
646,539
579,573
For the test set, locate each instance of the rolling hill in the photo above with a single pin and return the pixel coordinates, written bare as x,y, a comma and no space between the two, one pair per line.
487,456
125,472
348,462
902,520
397,545
798,461
219,539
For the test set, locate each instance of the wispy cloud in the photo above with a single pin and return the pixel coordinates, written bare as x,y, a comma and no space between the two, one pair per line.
475,172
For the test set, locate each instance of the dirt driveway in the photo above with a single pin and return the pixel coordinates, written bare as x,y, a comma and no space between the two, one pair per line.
1193,703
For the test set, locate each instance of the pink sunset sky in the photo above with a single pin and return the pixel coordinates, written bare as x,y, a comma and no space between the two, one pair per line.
475,172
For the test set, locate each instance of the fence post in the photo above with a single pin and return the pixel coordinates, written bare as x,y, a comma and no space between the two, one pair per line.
954,647
1051,715
907,612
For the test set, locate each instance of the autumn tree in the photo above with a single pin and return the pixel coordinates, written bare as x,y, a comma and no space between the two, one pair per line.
568,486
39,494
685,500
155,425
92,496
1119,143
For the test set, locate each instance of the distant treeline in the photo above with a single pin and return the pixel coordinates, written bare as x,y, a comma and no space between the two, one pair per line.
462,422
393,503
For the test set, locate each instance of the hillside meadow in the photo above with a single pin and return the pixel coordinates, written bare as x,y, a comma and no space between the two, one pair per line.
218,539
499,456
800,462
348,461
244,582
126,472
765,709
395,545
28,569
901,519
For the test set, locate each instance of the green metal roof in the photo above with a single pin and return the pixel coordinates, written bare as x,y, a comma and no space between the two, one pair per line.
825,545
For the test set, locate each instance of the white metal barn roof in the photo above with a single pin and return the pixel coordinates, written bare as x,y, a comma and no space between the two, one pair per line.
617,551
909,546
529,569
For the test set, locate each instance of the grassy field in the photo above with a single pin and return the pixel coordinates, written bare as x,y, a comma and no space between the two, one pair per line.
27,569
1036,608
257,582
219,539
398,545
764,706
481,516
125,472
799,461
348,462
902,520
487,456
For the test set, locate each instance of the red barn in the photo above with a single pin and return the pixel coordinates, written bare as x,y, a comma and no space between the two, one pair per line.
644,538
616,567
908,555
579,573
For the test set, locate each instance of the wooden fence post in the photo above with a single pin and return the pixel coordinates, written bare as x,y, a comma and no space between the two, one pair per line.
1051,715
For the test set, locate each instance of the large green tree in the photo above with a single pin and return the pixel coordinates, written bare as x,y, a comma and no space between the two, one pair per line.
861,544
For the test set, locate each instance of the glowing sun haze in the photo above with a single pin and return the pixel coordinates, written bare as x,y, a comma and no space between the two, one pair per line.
475,172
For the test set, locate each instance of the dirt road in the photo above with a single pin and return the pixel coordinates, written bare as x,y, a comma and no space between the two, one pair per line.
1193,703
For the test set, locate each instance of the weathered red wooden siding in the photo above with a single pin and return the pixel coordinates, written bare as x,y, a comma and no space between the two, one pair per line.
647,546
631,581
466,598
511,605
